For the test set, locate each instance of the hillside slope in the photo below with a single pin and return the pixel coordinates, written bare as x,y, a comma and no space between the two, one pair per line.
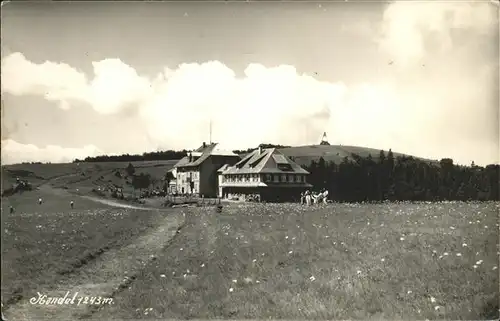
303,155
80,175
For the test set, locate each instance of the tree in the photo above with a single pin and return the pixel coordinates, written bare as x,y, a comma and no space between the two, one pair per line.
168,178
130,169
141,181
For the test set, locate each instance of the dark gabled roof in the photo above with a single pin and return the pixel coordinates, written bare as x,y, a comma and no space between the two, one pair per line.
265,162
206,151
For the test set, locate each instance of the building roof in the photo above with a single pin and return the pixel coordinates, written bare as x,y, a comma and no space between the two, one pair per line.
223,168
265,161
202,153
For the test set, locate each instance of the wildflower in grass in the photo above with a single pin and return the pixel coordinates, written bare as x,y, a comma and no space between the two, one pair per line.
286,237
464,245
401,238
290,252
474,266
257,281
479,262
494,268
445,253
409,292
459,254
162,275
254,260
383,260
235,281
358,272
312,278
433,299
202,265
181,249
437,307
231,289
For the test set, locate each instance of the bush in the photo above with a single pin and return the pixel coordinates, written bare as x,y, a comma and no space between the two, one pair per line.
98,192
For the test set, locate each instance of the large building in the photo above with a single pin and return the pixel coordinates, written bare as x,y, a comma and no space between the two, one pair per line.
196,173
264,174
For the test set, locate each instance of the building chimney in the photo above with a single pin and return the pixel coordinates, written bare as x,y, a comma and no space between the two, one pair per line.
260,150
204,144
190,157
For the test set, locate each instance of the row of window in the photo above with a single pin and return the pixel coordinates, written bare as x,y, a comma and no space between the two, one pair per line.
276,178
188,176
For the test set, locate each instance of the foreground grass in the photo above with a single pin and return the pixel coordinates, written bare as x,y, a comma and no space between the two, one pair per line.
41,243
392,261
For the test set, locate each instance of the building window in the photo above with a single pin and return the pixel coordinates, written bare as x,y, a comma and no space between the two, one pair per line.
283,178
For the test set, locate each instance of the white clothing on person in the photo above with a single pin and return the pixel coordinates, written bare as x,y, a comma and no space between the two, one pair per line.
39,201
325,196
308,199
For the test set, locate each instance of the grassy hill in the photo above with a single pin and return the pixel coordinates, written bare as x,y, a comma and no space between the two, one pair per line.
93,174
84,175
303,155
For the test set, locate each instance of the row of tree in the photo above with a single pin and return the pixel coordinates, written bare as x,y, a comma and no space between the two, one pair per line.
404,178
160,155
152,156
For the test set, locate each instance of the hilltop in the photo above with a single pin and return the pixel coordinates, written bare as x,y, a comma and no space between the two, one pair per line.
303,155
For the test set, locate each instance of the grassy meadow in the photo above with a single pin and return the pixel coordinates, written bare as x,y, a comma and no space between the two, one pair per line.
410,261
340,261
42,243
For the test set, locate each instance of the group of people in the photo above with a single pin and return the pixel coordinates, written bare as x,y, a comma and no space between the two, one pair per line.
40,201
309,197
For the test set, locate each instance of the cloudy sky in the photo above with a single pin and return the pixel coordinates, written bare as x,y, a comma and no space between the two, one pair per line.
83,79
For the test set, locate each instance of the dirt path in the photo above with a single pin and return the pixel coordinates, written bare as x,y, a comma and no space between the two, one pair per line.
102,278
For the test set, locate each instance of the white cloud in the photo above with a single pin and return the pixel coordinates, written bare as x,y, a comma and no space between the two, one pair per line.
408,111
411,31
14,152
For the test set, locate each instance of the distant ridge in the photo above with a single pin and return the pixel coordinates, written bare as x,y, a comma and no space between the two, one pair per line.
303,155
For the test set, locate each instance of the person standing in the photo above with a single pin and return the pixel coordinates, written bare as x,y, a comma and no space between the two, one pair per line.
71,203
308,198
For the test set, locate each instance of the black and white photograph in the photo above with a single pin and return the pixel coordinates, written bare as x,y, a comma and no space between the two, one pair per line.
295,160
